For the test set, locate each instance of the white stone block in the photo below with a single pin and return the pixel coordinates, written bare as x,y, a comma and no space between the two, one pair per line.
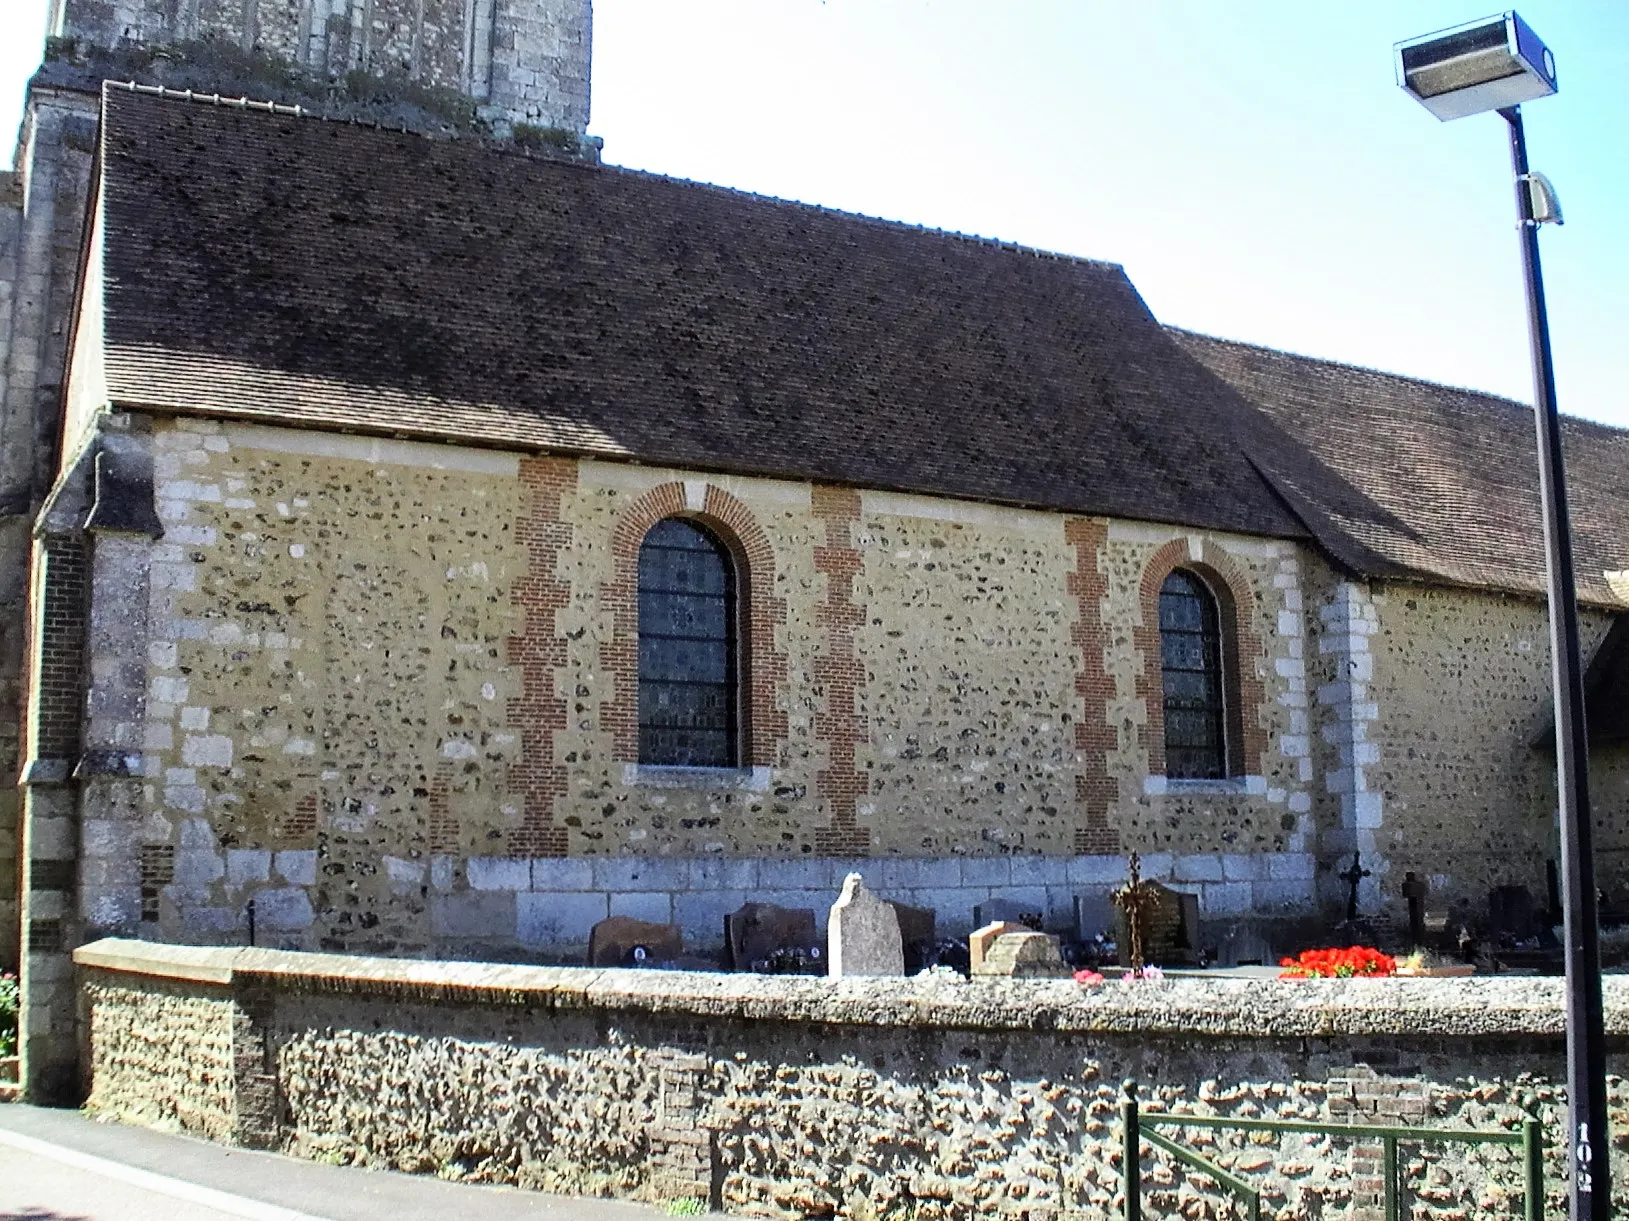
1300,803
1226,898
198,867
99,837
1284,893
653,906
1156,865
180,577
559,919
1290,667
196,833
168,689
1096,870
714,873
498,873
246,865
1041,870
441,872
952,906
285,908
1239,867
917,873
629,873
1289,624
404,873
562,873
207,750
1366,809
297,866
194,718
795,873
161,654
1284,866
986,871
191,536
701,914
1199,867
1293,746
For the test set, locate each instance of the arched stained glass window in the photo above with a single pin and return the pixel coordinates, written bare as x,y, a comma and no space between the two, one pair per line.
1195,706
688,697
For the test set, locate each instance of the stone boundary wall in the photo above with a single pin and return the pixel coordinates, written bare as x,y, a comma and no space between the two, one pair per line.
929,1098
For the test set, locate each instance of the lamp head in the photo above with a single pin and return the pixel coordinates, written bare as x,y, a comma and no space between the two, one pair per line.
1482,65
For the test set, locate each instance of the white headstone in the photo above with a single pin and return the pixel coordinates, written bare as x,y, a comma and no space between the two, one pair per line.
862,934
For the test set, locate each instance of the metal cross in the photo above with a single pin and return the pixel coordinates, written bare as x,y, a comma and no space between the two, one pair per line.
1135,898
1352,877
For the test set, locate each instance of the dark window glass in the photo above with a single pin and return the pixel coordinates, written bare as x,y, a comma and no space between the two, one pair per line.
1191,645
687,680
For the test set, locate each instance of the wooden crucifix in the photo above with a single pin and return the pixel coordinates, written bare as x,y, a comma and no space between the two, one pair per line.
1352,877
1135,898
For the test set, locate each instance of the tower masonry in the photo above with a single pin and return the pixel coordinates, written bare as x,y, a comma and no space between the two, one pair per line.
488,69
520,62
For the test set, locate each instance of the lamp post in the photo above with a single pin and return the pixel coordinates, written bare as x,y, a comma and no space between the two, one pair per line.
1496,64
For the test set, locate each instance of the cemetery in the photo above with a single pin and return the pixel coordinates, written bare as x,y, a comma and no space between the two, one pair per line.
850,1063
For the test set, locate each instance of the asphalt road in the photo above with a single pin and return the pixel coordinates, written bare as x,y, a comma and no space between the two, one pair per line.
60,1166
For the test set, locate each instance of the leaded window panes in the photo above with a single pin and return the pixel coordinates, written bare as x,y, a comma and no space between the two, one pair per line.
687,648
1191,648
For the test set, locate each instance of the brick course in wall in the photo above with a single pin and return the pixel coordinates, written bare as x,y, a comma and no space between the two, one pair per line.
840,674
536,777
1095,789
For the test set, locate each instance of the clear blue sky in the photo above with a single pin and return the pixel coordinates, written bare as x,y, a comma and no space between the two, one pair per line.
1252,164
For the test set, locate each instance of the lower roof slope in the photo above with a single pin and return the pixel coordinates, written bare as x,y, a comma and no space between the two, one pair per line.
1454,473
284,268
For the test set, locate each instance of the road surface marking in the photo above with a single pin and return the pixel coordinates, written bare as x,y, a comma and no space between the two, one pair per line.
220,1201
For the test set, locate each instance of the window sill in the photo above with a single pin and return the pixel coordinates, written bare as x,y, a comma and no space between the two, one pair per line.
1165,786
709,779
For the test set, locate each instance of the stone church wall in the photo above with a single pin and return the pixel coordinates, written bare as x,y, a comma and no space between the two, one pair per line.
1461,692
389,690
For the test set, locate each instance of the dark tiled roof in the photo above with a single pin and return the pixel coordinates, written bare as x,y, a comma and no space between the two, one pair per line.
1452,473
330,275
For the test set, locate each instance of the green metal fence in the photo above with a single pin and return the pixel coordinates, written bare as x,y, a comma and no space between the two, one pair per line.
1138,1126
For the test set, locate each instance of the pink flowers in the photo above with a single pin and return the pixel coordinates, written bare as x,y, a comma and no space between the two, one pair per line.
1088,977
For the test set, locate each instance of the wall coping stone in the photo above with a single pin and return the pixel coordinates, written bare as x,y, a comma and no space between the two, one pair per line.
1508,1007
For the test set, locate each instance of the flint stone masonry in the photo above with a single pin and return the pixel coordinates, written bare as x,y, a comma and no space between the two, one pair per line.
793,1097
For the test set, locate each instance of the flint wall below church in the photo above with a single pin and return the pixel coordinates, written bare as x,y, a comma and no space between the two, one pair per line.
934,1098
390,686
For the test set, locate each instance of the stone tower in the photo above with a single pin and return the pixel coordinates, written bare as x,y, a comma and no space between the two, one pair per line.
485,68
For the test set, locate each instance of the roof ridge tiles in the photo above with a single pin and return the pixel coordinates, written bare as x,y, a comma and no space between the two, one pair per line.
1568,421
507,149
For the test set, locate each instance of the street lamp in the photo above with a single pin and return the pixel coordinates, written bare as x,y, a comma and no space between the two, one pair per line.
1496,64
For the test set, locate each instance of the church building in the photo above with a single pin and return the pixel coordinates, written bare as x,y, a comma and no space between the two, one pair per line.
420,538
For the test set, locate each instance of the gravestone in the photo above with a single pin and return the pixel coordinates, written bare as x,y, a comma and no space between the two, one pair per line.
622,941
1010,910
862,934
1024,955
918,931
1094,917
1246,946
1512,915
764,937
1415,891
980,941
1170,928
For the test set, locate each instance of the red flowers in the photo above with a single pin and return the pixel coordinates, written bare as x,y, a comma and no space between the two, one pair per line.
1338,964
